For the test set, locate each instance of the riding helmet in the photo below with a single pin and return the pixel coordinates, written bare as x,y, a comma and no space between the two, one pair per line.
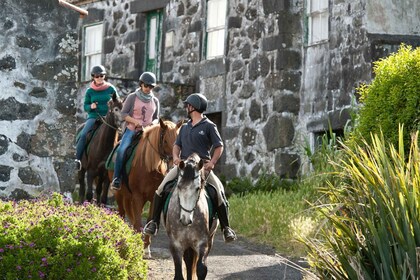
148,78
198,101
98,70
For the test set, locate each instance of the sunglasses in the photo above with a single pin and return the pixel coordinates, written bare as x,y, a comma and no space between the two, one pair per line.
148,86
98,76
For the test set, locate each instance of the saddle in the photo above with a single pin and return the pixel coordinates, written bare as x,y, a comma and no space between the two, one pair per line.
211,196
128,155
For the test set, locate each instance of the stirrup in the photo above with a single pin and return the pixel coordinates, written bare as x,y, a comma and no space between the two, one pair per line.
78,165
115,185
229,235
151,228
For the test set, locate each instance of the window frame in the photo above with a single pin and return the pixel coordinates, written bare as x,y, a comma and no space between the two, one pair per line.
154,23
317,13
215,29
92,57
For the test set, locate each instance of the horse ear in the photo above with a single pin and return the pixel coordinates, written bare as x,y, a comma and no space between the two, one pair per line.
162,123
114,97
181,165
180,123
200,164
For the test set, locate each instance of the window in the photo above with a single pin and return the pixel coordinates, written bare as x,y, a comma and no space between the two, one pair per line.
216,19
154,39
317,21
93,48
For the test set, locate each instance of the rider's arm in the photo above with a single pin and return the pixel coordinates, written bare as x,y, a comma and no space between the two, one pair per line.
217,153
176,150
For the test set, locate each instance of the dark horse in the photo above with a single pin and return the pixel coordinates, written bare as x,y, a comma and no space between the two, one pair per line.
96,153
149,166
189,225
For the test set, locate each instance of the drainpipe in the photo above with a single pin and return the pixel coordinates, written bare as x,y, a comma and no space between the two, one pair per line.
81,11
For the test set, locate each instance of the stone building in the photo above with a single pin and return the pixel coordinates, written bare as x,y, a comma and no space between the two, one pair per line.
278,73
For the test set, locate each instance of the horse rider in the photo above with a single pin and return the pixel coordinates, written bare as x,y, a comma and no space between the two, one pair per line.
95,105
141,108
198,135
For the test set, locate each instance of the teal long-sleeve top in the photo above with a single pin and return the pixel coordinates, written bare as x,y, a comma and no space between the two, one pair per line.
101,98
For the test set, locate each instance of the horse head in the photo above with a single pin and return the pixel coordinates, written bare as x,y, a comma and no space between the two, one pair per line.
113,117
190,184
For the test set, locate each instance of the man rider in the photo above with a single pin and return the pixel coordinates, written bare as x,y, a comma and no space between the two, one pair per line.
199,135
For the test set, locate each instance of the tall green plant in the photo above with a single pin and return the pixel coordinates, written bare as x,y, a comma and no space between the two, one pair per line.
373,215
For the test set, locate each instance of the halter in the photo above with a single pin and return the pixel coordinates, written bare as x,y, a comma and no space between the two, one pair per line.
196,202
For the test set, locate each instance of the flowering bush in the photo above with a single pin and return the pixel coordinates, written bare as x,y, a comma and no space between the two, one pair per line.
52,239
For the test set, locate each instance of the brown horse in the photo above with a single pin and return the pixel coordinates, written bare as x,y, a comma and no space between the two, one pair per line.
189,223
149,166
96,153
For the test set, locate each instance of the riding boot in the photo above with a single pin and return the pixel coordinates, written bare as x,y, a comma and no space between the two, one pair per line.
152,227
223,213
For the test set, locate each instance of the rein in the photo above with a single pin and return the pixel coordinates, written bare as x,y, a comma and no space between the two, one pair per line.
103,120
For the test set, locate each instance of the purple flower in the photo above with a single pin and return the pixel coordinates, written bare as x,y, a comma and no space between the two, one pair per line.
41,274
94,269
1,250
18,267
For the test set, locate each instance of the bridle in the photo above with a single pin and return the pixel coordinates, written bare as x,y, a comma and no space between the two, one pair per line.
160,151
104,121
196,202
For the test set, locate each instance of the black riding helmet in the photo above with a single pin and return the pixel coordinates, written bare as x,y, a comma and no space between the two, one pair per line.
198,101
148,78
98,70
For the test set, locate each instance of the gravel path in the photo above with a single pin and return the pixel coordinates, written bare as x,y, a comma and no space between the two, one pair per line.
238,260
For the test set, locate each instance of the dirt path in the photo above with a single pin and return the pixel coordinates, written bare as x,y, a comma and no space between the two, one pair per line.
238,260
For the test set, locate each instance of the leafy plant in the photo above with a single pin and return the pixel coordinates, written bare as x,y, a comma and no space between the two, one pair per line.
392,98
48,238
373,214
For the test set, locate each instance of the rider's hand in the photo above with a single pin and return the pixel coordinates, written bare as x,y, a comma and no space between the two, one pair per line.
209,165
93,106
176,161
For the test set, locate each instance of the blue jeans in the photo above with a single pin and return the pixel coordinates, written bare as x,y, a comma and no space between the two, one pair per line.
125,142
81,143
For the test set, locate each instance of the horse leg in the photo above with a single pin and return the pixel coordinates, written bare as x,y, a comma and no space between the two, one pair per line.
176,256
82,185
99,185
105,188
89,194
119,198
137,206
190,263
201,267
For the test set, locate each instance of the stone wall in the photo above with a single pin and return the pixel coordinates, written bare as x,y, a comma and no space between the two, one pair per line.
270,94
38,74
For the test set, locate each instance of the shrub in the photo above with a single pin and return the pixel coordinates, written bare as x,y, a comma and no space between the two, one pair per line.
392,98
48,238
265,183
373,215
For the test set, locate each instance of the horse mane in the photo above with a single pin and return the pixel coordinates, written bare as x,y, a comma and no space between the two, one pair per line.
148,151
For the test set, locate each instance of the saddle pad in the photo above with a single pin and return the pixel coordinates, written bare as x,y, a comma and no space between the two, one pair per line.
129,156
171,184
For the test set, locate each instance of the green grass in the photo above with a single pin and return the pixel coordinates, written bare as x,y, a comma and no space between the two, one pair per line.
275,218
